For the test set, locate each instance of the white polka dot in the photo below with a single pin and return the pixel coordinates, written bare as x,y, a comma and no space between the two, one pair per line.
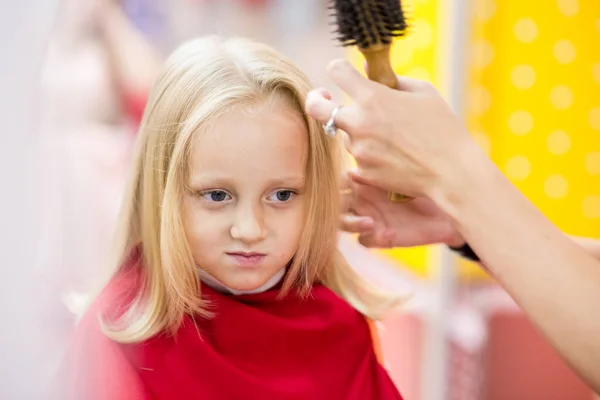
419,73
558,142
487,10
591,207
564,51
422,35
596,72
482,54
520,122
523,76
568,8
556,187
526,30
594,118
483,141
518,168
480,101
592,163
561,97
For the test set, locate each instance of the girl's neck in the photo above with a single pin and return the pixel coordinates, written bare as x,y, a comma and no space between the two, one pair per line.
214,283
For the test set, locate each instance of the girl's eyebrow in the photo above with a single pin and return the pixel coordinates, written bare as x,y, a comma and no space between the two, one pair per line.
219,179
287,180
210,179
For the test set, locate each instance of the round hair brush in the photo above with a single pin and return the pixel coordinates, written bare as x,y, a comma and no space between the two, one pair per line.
371,25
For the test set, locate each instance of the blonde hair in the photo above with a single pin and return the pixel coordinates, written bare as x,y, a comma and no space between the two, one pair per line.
201,80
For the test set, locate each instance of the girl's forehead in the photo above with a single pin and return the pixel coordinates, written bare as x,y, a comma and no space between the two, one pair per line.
263,141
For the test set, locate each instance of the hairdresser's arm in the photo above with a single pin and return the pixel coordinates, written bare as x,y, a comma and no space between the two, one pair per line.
555,282
591,246
409,141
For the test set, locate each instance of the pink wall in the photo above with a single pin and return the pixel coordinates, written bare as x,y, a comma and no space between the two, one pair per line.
518,363
522,365
401,341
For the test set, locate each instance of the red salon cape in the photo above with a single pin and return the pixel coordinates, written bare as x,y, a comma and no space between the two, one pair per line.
257,347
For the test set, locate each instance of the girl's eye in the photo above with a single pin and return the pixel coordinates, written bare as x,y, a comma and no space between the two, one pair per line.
282,195
216,195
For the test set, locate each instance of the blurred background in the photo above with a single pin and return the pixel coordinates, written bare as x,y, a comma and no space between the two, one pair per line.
524,75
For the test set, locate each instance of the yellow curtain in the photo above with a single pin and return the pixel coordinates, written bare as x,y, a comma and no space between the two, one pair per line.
532,100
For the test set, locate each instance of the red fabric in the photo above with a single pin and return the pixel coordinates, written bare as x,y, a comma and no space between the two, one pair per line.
134,105
257,347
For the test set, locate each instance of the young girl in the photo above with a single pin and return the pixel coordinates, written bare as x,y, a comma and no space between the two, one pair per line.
229,284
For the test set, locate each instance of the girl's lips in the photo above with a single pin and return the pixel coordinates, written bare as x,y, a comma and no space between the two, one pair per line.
247,259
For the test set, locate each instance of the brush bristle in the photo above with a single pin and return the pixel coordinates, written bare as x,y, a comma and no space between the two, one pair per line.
366,23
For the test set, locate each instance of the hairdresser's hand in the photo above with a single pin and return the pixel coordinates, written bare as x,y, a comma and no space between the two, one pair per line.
383,224
406,140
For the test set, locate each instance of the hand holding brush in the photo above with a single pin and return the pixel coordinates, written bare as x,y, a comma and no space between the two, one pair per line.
371,25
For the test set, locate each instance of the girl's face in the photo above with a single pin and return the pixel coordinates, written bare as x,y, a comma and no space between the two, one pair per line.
244,213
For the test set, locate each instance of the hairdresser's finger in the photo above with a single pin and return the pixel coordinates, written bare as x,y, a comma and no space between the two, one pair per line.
350,80
321,109
324,92
378,239
355,176
361,177
407,84
412,85
356,224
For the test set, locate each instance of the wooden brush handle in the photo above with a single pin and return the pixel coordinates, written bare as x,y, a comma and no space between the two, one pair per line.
380,70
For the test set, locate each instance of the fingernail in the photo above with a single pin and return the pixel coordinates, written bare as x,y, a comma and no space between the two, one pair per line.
337,65
363,221
354,173
311,94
